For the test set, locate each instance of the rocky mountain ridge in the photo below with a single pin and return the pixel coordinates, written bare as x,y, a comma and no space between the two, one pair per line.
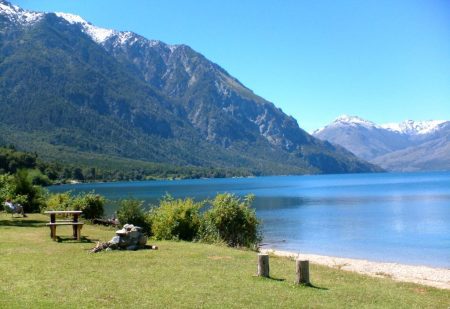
406,146
117,93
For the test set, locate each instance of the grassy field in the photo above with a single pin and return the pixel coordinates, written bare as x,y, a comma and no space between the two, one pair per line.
37,272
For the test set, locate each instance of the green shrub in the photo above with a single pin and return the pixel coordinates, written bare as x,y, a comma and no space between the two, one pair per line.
231,220
92,205
59,201
131,211
7,188
20,190
176,219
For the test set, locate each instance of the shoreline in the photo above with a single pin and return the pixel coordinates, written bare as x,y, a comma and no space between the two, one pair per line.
425,275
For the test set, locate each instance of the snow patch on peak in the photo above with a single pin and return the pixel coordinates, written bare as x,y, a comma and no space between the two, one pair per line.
8,9
411,127
172,47
353,120
18,15
98,34
125,36
346,121
71,18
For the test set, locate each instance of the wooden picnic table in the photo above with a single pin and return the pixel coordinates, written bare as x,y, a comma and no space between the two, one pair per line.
74,222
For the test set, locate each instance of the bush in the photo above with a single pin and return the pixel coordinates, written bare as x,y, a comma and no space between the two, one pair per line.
176,219
7,188
20,190
231,220
131,211
92,205
59,201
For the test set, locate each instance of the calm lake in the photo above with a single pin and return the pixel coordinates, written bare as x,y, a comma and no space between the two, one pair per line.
394,217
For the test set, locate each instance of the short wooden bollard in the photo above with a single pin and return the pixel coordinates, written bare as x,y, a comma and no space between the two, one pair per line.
263,265
302,271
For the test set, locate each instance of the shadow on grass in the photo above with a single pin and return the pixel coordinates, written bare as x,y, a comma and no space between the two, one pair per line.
71,240
22,222
270,278
312,286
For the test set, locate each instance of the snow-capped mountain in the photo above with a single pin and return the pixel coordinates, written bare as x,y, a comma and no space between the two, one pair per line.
346,120
84,88
17,15
411,127
406,146
103,35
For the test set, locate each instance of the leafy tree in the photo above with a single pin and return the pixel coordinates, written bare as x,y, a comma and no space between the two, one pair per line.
34,194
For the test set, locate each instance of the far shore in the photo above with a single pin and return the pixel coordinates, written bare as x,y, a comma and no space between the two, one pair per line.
435,277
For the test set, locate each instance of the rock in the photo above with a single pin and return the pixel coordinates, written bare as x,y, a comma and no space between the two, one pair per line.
130,237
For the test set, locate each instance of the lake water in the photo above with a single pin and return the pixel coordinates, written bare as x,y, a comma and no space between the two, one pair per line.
394,217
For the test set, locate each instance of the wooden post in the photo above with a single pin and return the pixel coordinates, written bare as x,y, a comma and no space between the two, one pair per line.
53,232
302,272
79,232
263,265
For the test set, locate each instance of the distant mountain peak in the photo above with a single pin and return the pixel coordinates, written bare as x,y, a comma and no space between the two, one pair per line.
353,120
347,120
17,15
411,127
405,146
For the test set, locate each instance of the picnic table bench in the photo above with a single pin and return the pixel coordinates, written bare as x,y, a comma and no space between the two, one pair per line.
74,222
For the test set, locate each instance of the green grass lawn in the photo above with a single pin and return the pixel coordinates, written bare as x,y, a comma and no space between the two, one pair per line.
38,272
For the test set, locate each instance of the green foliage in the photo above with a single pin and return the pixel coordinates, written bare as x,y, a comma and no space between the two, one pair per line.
12,160
92,205
176,219
7,188
231,220
36,177
20,189
131,211
97,167
59,201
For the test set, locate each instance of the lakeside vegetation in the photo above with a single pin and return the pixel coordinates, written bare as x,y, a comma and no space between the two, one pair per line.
99,168
39,272
226,219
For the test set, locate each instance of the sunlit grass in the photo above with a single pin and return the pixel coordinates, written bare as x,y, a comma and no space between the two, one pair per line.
38,272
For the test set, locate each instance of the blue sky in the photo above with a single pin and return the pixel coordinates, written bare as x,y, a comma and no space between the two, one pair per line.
384,60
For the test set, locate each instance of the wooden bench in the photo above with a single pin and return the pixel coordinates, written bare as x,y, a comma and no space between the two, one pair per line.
76,228
74,223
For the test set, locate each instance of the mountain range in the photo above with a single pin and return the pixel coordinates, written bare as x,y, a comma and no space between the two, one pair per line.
406,146
70,90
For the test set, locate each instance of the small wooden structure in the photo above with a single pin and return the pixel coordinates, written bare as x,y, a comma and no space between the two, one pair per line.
74,222
302,272
263,265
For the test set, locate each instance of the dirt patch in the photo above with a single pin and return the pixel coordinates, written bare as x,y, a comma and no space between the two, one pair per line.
420,290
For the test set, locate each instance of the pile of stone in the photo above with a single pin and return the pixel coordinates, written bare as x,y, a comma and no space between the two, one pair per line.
130,237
